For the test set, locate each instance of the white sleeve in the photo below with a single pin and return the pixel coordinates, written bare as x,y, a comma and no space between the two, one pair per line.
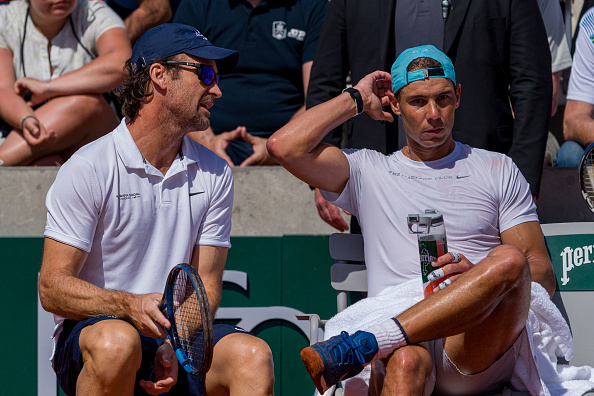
516,205
74,204
581,81
215,229
95,20
555,27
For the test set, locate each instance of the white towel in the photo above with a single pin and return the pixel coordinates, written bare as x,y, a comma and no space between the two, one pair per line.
551,338
536,370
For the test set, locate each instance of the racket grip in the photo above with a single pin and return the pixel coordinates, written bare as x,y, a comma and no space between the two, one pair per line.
182,359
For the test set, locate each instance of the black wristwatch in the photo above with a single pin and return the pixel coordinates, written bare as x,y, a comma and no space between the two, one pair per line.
356,95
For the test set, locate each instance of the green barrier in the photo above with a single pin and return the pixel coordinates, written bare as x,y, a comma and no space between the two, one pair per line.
273,277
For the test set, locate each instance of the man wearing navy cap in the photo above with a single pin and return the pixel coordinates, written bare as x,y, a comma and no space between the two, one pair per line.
126,209
477,314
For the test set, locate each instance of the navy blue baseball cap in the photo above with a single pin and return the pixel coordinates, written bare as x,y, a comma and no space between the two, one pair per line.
171,39
401,77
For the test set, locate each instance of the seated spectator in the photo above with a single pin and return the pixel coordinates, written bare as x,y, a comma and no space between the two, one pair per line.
141,15
578,121
277,42
552,17
51,101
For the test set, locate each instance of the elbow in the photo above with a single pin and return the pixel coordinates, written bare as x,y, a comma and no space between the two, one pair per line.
44,294
275,148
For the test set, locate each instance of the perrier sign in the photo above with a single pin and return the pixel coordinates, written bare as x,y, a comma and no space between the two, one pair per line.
573,261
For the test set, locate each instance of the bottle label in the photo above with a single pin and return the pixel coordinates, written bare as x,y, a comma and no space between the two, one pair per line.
430,248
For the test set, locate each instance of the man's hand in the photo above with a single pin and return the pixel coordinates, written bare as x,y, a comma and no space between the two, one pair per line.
165,367
449,269
260,156
146,315
221,142
39,90
376,91
36,134
330,213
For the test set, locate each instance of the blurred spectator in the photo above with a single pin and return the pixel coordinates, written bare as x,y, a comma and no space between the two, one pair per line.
552,16
276,41
56,60
499,48
141,15
578,121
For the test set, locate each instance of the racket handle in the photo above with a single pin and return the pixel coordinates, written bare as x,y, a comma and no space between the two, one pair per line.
182,359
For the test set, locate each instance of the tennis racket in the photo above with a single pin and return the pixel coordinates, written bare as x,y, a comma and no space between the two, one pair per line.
186,306
586,177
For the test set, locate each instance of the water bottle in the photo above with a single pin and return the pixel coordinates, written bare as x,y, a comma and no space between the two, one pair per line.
431,237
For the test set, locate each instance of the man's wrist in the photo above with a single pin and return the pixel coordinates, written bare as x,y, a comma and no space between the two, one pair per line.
356,95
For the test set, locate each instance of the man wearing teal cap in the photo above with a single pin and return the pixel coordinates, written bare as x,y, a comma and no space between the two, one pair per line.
466,337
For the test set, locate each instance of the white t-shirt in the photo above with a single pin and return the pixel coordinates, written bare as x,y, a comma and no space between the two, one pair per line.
135,223
552,17
479,193
90,19
581,81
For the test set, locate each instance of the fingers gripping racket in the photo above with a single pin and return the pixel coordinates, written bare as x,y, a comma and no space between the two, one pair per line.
186,306
586,177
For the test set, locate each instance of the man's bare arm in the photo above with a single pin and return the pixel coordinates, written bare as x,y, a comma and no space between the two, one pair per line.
529,239
150,13
578,122
297,146
63,293
210,261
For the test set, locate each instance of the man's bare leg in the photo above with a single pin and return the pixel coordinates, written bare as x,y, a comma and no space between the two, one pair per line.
77,120
490,305
242,365
485,309
112,354
410,368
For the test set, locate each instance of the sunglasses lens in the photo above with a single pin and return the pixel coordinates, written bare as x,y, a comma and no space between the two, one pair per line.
208,75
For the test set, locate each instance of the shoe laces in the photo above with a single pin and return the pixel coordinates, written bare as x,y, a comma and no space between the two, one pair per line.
342,351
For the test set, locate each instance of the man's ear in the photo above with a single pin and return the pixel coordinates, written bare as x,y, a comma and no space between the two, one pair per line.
458,93
158,75
395,104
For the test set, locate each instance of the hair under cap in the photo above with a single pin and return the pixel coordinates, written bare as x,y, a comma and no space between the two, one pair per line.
401,77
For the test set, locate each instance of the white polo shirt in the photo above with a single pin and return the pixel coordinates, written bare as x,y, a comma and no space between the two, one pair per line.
135,223
581,81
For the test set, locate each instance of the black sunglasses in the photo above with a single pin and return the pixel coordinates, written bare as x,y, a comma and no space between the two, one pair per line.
206,73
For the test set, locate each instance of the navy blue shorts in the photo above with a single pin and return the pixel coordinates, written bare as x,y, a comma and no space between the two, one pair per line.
68,359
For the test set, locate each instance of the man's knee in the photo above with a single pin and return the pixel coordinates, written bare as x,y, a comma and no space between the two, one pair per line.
410,361
253,354
111,343
406,371
509,265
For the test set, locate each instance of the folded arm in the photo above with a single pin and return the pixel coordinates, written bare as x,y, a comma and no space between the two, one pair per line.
101,75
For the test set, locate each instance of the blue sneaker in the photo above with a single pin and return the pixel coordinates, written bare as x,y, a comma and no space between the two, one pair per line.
338,358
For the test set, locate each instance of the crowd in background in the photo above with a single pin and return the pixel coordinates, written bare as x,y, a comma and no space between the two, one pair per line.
61,61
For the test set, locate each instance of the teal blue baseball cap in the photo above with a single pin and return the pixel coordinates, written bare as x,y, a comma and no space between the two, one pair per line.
401,77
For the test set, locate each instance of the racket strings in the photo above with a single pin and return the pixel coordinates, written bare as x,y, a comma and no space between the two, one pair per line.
587,175
188,319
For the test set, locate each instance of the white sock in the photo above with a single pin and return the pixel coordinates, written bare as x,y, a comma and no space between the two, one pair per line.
390,336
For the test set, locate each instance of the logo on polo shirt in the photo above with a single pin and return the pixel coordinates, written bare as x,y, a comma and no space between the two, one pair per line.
128,196
279,31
